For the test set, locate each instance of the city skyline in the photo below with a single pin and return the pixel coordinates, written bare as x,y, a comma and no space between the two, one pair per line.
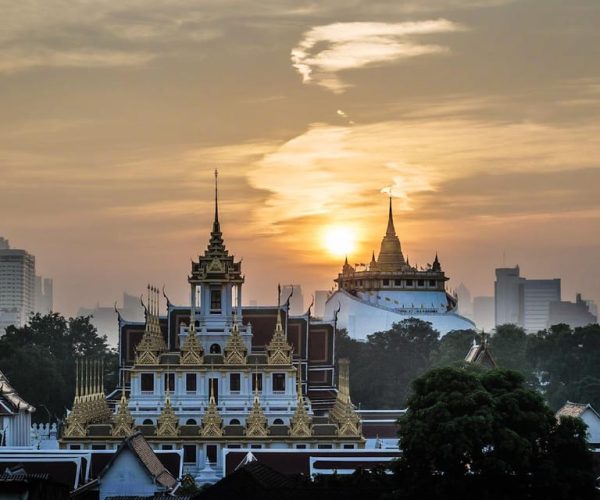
481,117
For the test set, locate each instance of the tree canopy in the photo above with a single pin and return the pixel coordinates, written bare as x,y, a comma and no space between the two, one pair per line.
474,433
39,360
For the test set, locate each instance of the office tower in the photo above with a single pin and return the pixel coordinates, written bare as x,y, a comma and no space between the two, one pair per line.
44,295
574,314
465,304
483,313
17,286
507,296
536,298
321,297
296,299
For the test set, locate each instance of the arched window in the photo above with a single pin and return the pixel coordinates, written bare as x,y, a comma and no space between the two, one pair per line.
215,349
234,421
277,421
148,422
191,421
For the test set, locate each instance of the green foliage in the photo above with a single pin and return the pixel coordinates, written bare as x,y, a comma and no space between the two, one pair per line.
485,434
47,347
453,347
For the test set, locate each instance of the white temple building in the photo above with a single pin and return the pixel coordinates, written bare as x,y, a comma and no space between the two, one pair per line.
390,290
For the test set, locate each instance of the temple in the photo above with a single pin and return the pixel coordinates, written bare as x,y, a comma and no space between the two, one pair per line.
216,375
372,298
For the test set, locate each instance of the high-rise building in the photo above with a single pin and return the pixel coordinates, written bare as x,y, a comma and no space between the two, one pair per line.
17,286
524,302
294,293
537,295
483,312
507,296
321,297
574,314
44,295
465,304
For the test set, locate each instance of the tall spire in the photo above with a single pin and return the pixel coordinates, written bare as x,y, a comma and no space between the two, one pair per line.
391,231
216,245
390,254
216,221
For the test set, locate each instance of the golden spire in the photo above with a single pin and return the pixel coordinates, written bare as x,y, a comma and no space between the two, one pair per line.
168,421
152,344
212,423
301,422
390,254
123,423
235,349
278,350
343,413
256,422
191,349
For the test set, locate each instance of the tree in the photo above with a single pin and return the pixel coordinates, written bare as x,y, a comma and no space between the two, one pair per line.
48,347
453,347
471,432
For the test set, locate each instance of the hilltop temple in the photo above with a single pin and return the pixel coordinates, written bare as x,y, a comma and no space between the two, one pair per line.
372,298
215,375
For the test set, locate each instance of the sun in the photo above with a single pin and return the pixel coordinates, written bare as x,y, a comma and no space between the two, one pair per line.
339,240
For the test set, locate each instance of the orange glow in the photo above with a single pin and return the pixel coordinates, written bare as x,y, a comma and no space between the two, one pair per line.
339,240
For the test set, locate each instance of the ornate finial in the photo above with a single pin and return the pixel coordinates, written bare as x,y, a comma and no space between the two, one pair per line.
256,422
167,421
123,423
391,231
301,422
235,350
212,423
216,196
343,412
278,350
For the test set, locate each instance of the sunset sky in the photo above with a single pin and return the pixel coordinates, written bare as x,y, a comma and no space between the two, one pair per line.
481,116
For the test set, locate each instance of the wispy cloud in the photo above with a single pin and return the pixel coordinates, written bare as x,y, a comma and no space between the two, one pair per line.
324,51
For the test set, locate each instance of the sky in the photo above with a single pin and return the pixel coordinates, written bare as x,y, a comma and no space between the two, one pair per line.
481,118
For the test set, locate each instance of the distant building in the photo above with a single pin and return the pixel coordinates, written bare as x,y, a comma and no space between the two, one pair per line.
524,302
294,292
390,290
44,295
320,300
480,354
573,314
507,294
483,313
17,286
104,318
465,304
537,297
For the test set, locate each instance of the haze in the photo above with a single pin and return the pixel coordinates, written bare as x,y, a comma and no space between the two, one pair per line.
482,117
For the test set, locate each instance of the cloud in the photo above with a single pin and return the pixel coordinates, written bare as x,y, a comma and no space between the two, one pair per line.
324,51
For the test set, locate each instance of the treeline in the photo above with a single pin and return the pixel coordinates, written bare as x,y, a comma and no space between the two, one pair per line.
39,360
561,363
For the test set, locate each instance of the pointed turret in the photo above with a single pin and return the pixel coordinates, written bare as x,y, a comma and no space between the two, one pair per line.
301,422
347,268
436,266
343,413
235,350
279,352
390,253
123,424
168,421
212,423
256,422
216,245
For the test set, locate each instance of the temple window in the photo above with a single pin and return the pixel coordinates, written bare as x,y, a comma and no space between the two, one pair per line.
277,421
169,382
409,282
211,453
257,382
191,382
167,446
398,282
234,421
189,453
75,447
325,446
348,447
98,447
300,446
256,446
215,349
148,421
432,283
386,282
191,421
147,381
421,283
234,382
279,382
215,301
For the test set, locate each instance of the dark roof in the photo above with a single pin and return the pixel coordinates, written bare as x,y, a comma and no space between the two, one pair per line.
325,430
279,430
234,430
171,459
158,496
144,453
382,430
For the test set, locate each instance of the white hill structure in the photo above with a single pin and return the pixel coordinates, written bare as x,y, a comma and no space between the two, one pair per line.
390,290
